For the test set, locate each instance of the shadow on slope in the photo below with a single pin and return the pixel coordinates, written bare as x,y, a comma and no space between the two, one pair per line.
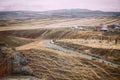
13,41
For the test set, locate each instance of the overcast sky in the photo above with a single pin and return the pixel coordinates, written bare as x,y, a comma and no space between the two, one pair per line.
43,5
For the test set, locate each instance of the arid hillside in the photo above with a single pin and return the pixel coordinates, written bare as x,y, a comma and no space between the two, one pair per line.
13,41
51,64
54,65
101,49
17,24
52,33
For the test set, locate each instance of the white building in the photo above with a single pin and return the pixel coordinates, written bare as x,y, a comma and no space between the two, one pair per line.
104,28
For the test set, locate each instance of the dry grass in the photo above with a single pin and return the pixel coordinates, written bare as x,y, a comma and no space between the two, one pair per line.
54,34
92,43
108,51
14,41
37,45
56,23
49,65
31,45
46,67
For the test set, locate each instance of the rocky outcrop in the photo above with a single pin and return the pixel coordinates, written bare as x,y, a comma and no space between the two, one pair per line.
12,62
20,64
5,60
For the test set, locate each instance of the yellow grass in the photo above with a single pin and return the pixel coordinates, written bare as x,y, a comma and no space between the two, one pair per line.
14,41
93,43
104,49
58,23
37,45
50,65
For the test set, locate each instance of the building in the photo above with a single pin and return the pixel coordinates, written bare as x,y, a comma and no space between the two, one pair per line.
78,28
101,27
104,28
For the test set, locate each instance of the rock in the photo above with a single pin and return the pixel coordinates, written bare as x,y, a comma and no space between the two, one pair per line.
20,64
5,60
12,62
27,70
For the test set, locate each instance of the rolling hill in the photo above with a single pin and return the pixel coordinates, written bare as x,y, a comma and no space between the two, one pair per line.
25,32
68,13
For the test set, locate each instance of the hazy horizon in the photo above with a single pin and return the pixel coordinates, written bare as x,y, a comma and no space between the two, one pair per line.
46,5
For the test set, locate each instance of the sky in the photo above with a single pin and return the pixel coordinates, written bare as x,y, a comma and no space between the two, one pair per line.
44,5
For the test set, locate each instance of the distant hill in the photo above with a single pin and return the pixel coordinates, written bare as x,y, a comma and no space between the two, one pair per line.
72,13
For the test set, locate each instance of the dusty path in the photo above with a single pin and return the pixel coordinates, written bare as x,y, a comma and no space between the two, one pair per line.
51,44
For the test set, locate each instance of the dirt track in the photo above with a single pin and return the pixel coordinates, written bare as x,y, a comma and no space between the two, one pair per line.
50,43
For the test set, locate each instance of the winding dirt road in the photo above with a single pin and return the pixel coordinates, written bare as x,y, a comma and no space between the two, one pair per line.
51,44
